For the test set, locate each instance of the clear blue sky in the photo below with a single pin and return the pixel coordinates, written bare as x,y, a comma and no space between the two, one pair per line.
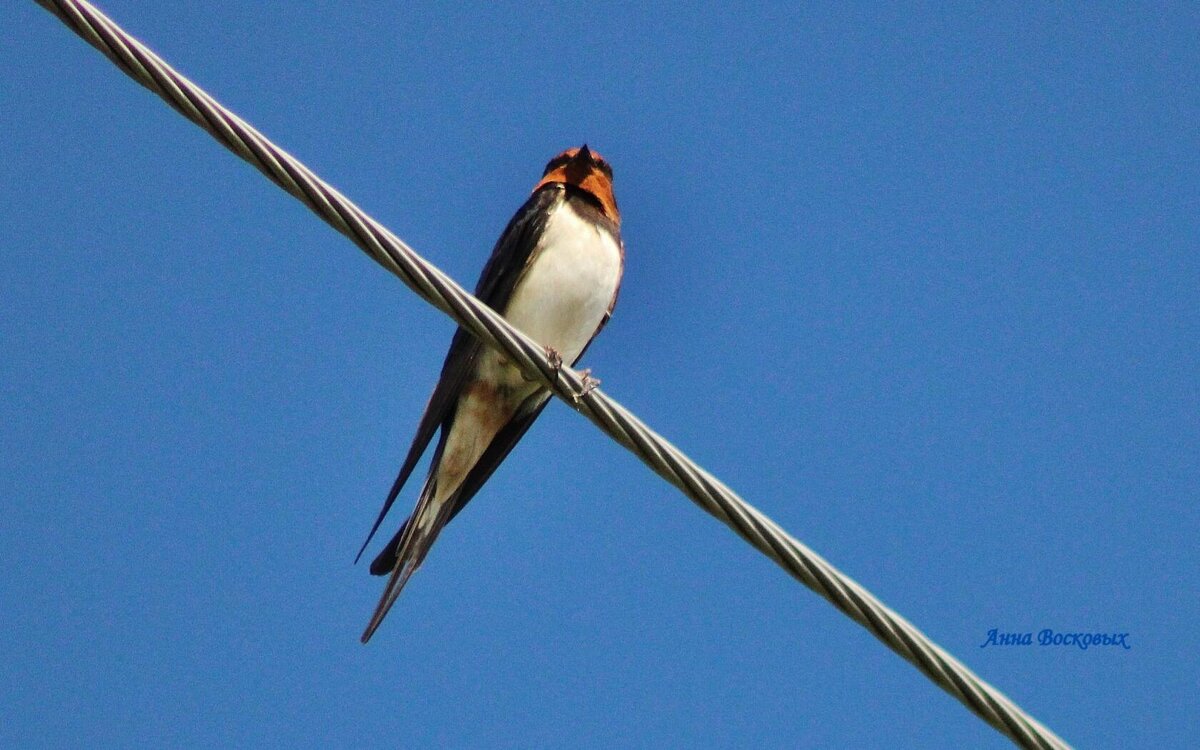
922,285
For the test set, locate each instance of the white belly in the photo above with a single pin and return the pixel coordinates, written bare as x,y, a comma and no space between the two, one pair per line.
560,302
566,293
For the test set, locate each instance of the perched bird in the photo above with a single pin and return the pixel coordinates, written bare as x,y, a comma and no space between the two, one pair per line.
554,275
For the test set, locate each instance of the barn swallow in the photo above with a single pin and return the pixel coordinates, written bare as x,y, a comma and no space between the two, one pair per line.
554,274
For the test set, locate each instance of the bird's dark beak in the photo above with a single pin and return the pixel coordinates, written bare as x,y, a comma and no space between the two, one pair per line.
584,157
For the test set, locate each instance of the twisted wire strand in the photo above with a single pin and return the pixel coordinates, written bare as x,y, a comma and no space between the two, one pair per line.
439,290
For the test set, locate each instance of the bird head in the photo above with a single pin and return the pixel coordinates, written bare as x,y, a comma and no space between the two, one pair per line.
586,170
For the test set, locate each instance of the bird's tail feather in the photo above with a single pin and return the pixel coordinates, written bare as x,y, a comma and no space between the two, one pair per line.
395,585
406,553
385,562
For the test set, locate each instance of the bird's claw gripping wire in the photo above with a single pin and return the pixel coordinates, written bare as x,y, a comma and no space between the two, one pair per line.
556,363
589,385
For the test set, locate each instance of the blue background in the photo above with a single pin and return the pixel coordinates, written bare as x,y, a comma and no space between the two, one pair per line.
923,285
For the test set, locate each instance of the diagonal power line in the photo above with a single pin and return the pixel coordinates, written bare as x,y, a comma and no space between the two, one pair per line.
439,290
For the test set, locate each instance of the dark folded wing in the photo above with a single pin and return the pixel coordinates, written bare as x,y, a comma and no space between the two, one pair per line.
502,444
504,268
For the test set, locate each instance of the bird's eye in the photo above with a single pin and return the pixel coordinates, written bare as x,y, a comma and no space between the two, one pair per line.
555,163
607,170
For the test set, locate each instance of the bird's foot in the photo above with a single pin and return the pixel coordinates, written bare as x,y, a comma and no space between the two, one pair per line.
589,384
556,363
555,358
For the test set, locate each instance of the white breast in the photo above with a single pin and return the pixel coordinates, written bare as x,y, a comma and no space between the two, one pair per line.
559,302
565,294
